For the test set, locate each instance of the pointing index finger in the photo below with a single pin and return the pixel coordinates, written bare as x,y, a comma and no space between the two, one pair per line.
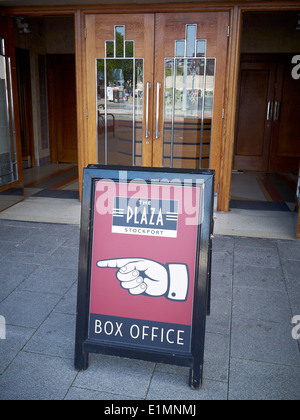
116,262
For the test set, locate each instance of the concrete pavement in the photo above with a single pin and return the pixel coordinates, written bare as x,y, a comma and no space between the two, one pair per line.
250,352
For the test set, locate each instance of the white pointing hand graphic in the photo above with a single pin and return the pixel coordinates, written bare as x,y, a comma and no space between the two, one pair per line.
141,275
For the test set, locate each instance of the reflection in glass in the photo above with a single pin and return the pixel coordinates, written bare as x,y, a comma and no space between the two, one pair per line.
188,103
191,33
129,49
120,102
119,38
120,111
201,48
179,48
9,194
109,48
2,46
188,107
8,158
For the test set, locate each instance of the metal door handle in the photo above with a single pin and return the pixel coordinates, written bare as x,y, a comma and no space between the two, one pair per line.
270,110
276,110
147,110
158,86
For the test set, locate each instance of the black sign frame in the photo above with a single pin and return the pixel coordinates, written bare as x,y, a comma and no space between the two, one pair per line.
201,303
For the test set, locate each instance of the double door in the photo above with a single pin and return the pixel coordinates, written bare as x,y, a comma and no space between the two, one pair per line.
155,88
267,122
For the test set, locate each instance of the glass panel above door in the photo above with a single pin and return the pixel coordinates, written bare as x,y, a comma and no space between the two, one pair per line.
188,104
120,103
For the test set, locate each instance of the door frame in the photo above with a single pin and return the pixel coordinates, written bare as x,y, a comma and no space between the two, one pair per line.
224,160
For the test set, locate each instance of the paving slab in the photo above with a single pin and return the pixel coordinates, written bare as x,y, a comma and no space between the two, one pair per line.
256,256
12,274
33,376
50,279
168,387
16,338
27,309
267,305
55,337
265,341
258,277
252,380
116,375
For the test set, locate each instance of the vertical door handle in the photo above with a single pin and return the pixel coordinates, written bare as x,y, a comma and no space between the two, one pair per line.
158,86
276,110
147,110
270,110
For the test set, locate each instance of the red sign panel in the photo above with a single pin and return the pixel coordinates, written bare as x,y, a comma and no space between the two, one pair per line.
143,264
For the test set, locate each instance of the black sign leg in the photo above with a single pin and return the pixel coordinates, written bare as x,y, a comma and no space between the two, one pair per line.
209,282
209,269
196,377
81,361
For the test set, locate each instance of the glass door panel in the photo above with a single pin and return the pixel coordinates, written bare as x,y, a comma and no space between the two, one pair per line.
120,110
188,103
8,155
11,192
188,108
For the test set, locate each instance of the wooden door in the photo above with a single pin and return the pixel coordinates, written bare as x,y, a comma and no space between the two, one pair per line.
285,148
190,58
254,116
159,81
62,107
267,119
119,72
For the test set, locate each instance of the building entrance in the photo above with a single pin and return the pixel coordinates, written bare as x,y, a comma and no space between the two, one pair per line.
155,88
